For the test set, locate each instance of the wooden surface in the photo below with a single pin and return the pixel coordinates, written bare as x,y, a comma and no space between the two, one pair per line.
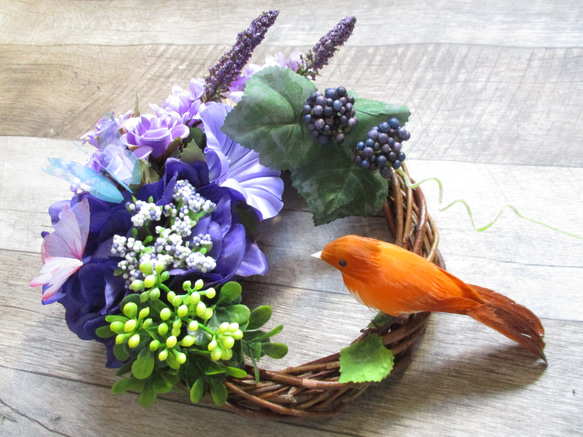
497,100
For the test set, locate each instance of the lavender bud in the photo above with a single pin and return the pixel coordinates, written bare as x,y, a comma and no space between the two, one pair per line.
323,51
232,62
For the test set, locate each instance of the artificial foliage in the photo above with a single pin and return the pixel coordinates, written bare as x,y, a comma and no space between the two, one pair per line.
147,253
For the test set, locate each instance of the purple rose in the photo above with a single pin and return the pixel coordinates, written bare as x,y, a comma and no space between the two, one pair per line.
151,134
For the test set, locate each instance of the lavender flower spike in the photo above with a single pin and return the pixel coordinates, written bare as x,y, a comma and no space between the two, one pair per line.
321,53
232,62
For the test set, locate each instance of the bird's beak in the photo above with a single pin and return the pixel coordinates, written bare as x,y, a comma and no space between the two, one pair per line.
317,255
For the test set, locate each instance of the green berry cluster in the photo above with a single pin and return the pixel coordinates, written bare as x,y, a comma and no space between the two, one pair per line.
197,336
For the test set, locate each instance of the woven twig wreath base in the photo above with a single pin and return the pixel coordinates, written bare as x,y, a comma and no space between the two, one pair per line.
313,389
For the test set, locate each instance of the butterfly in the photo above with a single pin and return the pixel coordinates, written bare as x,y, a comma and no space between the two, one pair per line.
111,166
62,251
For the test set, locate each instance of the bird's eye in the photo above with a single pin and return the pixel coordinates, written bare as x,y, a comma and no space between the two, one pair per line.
342,263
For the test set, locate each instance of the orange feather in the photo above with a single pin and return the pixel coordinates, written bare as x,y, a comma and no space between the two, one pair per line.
398,282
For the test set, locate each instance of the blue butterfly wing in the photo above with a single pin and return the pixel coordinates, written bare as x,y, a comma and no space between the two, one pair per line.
84,179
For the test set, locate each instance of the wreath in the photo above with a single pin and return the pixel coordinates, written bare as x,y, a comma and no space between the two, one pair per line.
146,255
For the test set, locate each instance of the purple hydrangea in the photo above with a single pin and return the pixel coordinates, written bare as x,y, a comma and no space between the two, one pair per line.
93,291
238,169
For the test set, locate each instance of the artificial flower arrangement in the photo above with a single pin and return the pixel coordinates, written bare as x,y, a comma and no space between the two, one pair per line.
146,255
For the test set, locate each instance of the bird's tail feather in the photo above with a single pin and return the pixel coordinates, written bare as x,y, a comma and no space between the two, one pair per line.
510,319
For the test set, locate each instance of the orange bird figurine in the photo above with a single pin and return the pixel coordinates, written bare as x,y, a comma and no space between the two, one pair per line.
398,282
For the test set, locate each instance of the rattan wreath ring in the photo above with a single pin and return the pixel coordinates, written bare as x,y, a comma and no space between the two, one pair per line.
312,389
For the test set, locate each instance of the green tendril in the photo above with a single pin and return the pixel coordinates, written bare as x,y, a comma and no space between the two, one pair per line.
469,211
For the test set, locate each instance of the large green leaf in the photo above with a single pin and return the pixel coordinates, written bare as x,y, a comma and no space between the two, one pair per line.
366,360
268,118
335,187
371,113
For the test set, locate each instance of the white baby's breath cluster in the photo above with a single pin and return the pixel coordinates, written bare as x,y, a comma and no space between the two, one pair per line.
170,243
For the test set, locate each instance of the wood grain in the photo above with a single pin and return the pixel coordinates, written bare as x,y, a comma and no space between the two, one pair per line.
496,100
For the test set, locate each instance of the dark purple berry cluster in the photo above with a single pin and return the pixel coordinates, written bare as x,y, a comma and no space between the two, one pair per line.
382,148
329,116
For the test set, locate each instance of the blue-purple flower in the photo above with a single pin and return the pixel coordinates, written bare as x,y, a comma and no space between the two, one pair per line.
186,103
90,290
234,167
151,134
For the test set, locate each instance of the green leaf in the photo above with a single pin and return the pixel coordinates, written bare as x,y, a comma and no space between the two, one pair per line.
229,292
148,396
124,369
104,332
161,386
252,350
144,364
120,352
268,118
275,350
219,392
238,313
381,319
197,390
366,360
235,372
259,317
115,318
260,336
371,113
335,187
126,384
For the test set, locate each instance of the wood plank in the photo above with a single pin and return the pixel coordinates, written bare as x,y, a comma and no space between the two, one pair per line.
531,24
496,115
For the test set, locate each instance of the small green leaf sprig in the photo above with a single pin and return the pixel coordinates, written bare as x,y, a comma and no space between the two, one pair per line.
197,338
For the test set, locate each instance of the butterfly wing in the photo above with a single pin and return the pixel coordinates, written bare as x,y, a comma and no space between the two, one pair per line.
84,179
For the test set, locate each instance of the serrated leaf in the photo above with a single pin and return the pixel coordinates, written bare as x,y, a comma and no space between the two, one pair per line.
268,118
275,350
259,317
143,367
334,187
371,113
219,392
197,390
366,360
229,292
193,150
